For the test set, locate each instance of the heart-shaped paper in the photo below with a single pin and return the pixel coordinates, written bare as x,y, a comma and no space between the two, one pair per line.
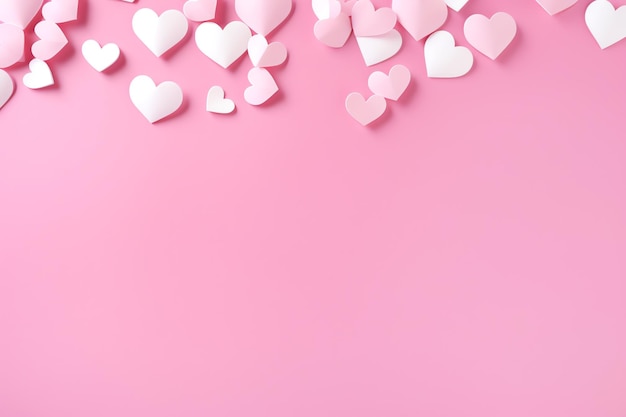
263,16
607,25
367,21
39,75
155,102
264,55
19,12
490,36
444,59
390,86
100,58
325,9
200,10
456,5
11,44
375,49
556,6
216,103
6,87
160,33
420,17
262,87
224,46
334,31
52,40
365,111
60,11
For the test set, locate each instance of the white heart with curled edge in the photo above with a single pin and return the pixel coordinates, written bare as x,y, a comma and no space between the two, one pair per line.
224,46
444,59
606,24
160,33
216,103
39,76
155,102
6,87
100,58
375,49
456,5
264,54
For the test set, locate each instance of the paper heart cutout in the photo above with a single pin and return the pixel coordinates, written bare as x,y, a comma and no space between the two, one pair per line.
39,76
325,9
606,24
556,6
390,86
262,87
334,31
264,55
19,12
160,33
155,102
223,46
263,16
490,36
420,17
456,5
200,10
375,49
6,87
444,59
60,11
216,103
52,40
11,44
100,58
365,111
367,21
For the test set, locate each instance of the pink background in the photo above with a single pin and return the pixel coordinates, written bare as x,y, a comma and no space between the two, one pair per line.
465,256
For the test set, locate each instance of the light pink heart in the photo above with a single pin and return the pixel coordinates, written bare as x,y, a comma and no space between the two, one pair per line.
200,10
420,17
556,6
264,55
262,87
52,40
367,21
11,45
390,86
60,11
263,16
333,32
365,111
19,12
347,5
490,36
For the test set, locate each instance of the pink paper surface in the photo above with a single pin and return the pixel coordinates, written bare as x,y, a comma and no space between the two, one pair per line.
463,256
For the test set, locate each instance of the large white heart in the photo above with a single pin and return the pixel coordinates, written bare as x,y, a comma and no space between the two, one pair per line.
155,102
444,59
607,25
224,46
160,33
377,49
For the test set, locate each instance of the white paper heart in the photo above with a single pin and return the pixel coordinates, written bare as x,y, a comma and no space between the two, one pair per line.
444,59
375,49
6,87
224,46
262,87
160,33
155,102
456,5
19,12
39,76
60,11
100,58
264,55
325,9
216,103
607,25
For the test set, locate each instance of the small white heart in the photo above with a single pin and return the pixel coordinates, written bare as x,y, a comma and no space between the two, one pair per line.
100,58
39,76
224,46
216,103
160,33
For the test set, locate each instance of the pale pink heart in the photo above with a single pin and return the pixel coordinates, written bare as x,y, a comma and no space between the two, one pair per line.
490,36
263,16
365,111
333,32
262,87
556,6
390,86
420,17
60,11
19,12
11,45
6,87
200,10
347,5
52,40
265,55
367,21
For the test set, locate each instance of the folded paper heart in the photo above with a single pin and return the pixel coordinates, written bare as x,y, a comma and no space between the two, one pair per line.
6,88
262,87
100,58
367,21
390,86
160,33
200,10
155,102
52,40
11,44
263,16
39,76
456,5
216,103
376,49
223,46
365,111
420,17
264,55
444,59
325,9
334,31
490,36
19,12
556,6
60,11
606,24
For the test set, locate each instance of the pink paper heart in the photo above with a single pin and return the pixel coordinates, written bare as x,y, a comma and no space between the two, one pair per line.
52,40
200,10
333,32
11,45
19,12
556,6
265,55
367,21
490,36
420,17
263,16
390,86
60,11
365,111
262,87
347,5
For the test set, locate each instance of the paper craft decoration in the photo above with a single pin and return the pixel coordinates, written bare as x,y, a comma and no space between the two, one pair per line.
556,6
420,17
365,111
160,33
490,36
367,21
333,31
200,10
607,25
264,55
19,12
11,44
100,58
444,59
39,76
262,87
6,87
60,11
390,86
376,49
216,103
155,102
52,40
324,9
223,46
456,5
263,16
